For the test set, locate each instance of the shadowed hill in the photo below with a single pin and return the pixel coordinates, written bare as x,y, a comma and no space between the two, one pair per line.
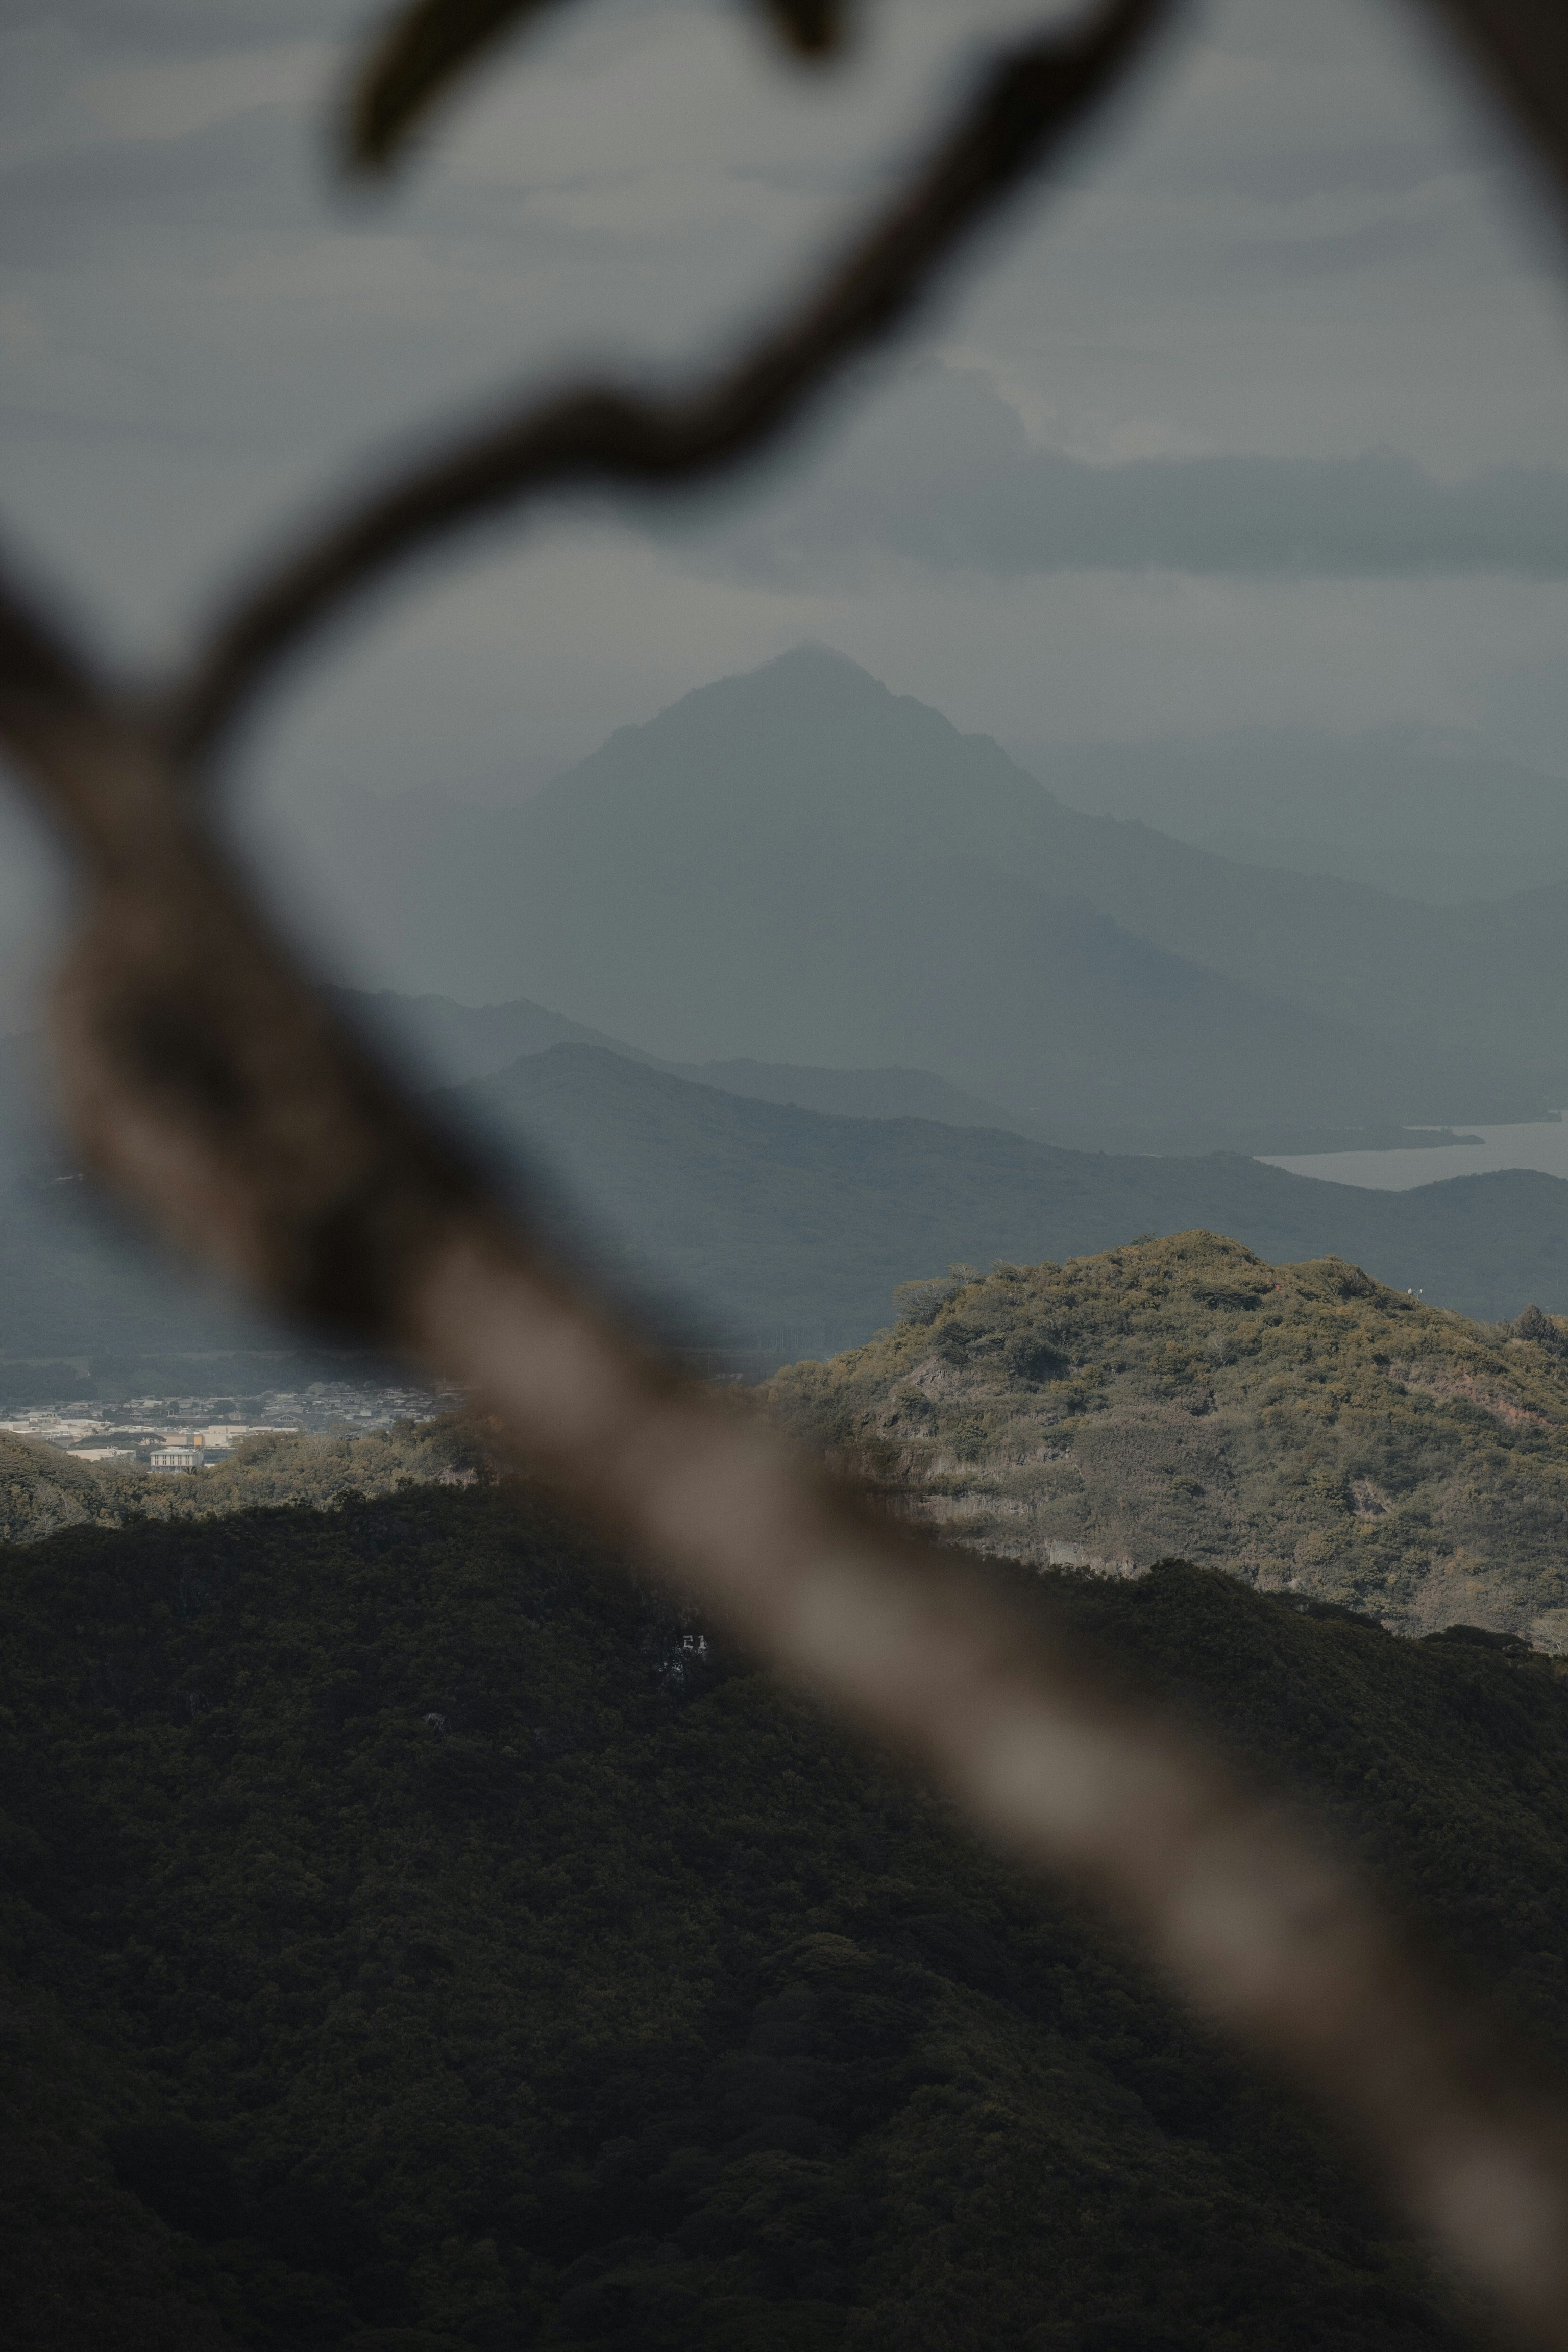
43,1489
415,1937
1299,1425
78,1280
456,1042
787,1228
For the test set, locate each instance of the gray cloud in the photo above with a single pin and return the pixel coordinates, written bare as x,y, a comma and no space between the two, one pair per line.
159,28
945,476
228,178
1385,244
1290,245
1290,176
1372,515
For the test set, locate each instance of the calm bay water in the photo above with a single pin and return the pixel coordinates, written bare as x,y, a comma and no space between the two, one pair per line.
1543,1145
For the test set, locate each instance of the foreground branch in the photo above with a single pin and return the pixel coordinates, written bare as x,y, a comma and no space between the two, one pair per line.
44,677
1028,107
1520,48
207,1078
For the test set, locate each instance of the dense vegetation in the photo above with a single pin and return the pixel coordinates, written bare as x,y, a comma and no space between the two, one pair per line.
1302,1426
419,1937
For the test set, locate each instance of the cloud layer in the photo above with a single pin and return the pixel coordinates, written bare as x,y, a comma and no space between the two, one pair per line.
1115,482
944,474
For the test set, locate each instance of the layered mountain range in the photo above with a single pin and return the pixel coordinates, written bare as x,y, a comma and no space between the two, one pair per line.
419,1935
798,866
1419,814
745,1211
789,1229
842,994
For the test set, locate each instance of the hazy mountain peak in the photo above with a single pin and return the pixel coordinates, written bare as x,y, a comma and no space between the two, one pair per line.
809,718
814,664
807,674
796,866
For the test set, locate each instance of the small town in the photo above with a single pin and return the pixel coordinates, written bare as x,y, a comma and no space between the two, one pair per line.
191,1432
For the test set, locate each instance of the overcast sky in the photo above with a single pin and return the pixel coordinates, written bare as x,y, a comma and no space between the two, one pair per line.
1261,418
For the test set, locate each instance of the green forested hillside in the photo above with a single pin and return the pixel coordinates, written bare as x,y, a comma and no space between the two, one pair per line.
42,1488
1301,1426
417,1939
794,1227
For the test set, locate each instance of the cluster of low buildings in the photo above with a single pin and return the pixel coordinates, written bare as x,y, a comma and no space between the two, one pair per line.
188,1432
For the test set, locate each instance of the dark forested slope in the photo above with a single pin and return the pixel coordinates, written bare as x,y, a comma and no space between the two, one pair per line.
418,1939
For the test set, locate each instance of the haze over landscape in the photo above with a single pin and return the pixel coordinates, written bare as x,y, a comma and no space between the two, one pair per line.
1026,935
794,992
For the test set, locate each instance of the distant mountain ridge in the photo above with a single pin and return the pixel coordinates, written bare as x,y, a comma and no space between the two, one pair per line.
437,1039
788,1228
77,1281
1420,817
459,1041
799,867
773,1217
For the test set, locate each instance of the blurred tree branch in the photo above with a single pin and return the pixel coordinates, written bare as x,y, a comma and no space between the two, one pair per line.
1026,109
1520,48
207,1078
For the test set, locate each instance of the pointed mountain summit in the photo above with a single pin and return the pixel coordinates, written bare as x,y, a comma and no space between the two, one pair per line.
801,867
808,749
